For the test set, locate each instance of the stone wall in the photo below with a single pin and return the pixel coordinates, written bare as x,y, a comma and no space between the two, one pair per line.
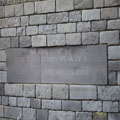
48,23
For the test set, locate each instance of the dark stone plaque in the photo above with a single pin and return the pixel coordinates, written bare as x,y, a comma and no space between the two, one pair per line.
77,65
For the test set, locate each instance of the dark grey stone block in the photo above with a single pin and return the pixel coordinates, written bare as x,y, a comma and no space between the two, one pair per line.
79,65
114,65
42,114
1,89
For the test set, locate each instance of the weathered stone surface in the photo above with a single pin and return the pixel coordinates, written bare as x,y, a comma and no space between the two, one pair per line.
12,101
42,114
57,17
109,37
3,22
83,27
14,42
64,5
51,104
100,115
65,28
73,39
29,114
9,11
112,2
1,110
108,13
23,102
35,103
92,106
13,89
5,100
90,38
43,91
110,106
24,21
37,19
38,41
3,76
28,8
20,31
99,25
3,66
61,115
71,105
114,65
113,116
112,78
75,16
56,40
91,14
4,43
83,92
109,92
18,9
31,30
25,41
98,3
83,116
2,55
12,112
45,6
82,4
114,24
1,89
60,92
2,11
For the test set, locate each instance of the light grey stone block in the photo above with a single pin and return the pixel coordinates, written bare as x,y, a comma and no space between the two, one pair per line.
109,106
38,41
112,2
12,101
1,110
75,16
93,14
14,42
47,29
65,28
2,11
71,105
29,90
109,37
61,115
113,116
112,78
45,6
73,39
90,38
12,112
51,104
99,25
43,91
57,17
24,21
5,100
56,40
29,8
109,92
82,4
1,90
83,116
13,89
13,22
37,19
60,92
83,27
23,102
9,11
3,76
2,55
64,5
92,106
4,43
114,24
29,114
109,13
35,103
118,78
83,92
18,9
42,114
25,41
32,30
20,31
98,3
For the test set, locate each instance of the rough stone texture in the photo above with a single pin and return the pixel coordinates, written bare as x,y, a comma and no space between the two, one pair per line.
19,10
83,27
100,115
37,19
2,11
107,13
118,78
83,116
12,112
31,30
25,41
35,103
71,105
24,20
114,24
112,78
13,89
14,42
3,66
20,31
92,106
51,104
2,55
110,106
29,90
112,2
98,3
12,101
23,102
61,115
83,92
60,92
90,38
5,100
1,110
1,89
113,116
109,37
45,6
4,43
43,91
29,114
73,39
99,25
57,17
114,65
3,76
13,22
105,92
38,41
65,28
28,8
9,11
42,114
82,4
91,14
75,16
64,5
56,40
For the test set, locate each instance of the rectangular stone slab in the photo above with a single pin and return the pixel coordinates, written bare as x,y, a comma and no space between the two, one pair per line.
75,64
